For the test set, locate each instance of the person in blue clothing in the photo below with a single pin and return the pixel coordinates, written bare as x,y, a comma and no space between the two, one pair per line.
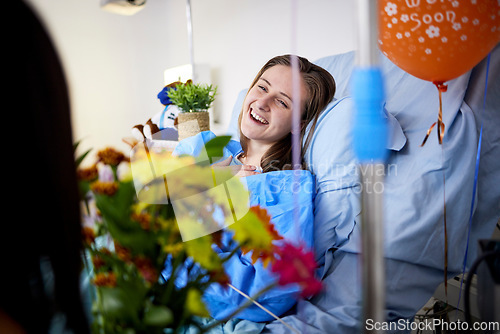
263,159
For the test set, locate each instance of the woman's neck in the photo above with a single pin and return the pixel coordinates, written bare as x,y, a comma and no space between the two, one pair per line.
254,153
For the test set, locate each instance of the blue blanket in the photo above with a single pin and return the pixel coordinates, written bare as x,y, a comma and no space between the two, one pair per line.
288,197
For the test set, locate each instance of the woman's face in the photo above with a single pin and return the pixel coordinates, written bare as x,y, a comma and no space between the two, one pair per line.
267,109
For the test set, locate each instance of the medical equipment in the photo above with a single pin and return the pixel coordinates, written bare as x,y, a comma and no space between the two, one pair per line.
370,139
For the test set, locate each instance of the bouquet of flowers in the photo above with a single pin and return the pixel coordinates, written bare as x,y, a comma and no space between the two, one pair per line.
152,217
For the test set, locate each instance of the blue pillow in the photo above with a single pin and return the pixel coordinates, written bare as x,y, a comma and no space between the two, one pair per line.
232,129
413,186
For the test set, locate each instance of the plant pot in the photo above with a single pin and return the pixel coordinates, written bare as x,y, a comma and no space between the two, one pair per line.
191,123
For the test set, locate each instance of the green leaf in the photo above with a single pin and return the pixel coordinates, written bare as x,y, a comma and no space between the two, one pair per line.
83,187
136,239
191,97
76,144
200,249
80,158
158,316
216,146
119,303
116,213
117,207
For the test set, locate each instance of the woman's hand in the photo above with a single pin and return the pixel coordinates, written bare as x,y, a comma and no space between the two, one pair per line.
237,170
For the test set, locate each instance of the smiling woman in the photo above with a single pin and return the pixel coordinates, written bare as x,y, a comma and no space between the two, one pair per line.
267,110
265,120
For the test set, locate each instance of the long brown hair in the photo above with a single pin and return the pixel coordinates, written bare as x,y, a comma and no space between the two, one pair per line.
320,87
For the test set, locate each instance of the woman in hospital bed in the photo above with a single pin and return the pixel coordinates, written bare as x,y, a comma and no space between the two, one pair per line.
263,156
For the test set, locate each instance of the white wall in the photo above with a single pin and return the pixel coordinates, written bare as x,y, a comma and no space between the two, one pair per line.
114,64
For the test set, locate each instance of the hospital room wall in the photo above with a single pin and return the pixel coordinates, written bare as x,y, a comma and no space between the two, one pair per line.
114,64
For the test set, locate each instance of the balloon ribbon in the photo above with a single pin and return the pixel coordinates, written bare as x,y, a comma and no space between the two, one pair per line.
442,88
445,238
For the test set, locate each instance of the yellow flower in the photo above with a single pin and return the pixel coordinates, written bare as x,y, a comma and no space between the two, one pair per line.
194,304
168,224
173,249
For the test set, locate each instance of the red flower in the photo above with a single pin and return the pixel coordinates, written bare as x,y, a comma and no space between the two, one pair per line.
296,265
146,268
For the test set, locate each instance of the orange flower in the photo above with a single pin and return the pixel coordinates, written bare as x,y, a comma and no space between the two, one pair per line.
110,156
97,262
105,279
266,221
144,219
264,254
87,174
255,233
104,188
88,235
123,253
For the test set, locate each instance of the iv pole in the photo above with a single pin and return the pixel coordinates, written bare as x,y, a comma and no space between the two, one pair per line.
369,139
190,38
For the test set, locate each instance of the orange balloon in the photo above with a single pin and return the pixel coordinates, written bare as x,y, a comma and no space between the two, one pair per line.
438,40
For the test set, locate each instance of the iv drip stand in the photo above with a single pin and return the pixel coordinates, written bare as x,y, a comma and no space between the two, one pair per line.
369,139
190,37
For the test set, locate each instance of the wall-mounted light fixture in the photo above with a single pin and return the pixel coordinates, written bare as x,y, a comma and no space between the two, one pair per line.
123,7
185,72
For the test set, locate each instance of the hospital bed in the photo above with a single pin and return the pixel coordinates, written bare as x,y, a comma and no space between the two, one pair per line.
424,187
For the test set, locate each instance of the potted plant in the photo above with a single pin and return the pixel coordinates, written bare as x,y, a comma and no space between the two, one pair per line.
193,100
